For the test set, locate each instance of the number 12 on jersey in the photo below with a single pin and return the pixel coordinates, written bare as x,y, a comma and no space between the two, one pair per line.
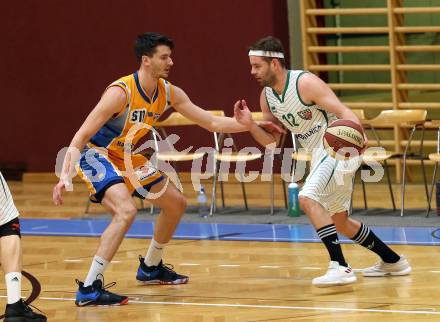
289,118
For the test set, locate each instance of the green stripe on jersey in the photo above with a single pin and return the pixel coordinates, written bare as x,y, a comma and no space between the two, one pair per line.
281,99
297,90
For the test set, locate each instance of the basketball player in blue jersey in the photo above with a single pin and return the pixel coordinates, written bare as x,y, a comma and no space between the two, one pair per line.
139,98
305,105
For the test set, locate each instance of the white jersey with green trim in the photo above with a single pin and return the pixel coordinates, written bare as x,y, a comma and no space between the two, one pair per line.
307,121
8,211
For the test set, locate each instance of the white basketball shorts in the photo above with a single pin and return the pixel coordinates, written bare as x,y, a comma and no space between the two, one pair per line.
330,181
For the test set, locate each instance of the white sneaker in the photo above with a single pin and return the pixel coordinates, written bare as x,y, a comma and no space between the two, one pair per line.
336,275
383,269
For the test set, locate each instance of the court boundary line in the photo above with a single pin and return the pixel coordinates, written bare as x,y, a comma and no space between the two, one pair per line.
202,238
256,306
212,231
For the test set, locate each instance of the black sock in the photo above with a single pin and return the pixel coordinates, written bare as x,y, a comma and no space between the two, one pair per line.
330,239
368,239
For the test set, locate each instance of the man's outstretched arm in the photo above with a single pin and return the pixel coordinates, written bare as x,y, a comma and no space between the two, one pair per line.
260,131
212,123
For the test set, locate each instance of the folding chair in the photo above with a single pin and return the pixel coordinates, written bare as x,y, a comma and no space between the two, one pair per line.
176,119
233,157
436,158
258,116
374,154
413,118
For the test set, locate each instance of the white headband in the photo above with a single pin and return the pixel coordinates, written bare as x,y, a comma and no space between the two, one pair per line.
263,53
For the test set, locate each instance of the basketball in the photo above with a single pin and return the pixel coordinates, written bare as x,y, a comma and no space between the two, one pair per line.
343,138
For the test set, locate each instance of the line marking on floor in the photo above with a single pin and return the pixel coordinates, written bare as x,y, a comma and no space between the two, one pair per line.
429,311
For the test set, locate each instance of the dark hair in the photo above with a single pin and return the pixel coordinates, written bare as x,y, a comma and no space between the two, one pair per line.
145,44
269,44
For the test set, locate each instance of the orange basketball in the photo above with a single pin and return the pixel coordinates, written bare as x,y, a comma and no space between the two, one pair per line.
344,139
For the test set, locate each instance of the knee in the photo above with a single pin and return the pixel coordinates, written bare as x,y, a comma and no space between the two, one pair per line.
181,204
125,214
177,205
304,203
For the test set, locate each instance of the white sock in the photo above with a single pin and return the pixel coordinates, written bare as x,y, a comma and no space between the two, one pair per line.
154,253
98,266
13,286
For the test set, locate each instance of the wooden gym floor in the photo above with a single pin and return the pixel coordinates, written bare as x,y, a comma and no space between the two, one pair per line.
233,281
229,280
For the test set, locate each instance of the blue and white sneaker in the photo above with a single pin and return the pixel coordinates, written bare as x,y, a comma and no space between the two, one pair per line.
160,274
97,294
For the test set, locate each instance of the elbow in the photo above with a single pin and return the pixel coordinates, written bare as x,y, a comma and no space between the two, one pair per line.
80,139
213,126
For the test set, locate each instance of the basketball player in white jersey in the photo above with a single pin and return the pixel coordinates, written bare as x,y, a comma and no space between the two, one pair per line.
16,308
306,105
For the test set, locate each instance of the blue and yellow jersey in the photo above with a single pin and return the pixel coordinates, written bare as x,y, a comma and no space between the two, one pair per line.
139,108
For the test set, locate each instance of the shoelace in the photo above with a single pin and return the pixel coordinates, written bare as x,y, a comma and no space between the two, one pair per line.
378,265
27,307
105,286
169,268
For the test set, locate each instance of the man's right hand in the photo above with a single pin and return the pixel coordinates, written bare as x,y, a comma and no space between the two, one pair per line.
242,114
58,191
